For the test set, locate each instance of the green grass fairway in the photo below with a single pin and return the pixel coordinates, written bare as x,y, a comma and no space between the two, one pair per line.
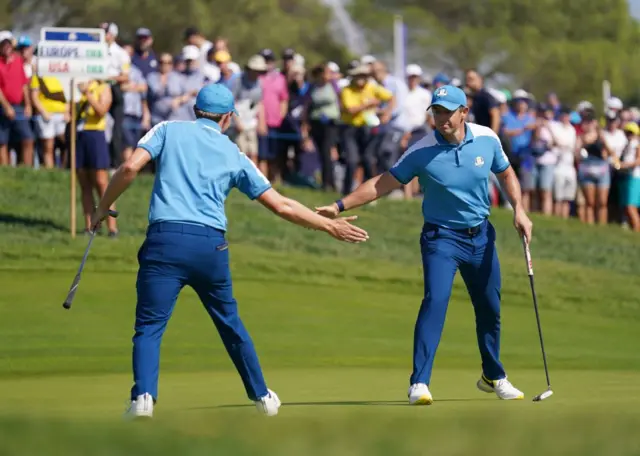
333,325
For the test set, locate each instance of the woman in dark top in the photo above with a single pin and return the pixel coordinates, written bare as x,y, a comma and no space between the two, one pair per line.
593,169
319,121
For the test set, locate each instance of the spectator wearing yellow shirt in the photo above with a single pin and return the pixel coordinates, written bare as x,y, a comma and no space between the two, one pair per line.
52,114
92,151
359,101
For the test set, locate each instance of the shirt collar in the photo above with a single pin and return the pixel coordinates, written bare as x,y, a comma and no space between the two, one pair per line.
209,123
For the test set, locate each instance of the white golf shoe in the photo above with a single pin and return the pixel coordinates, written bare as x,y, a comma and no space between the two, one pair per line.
503,388
269,404
419,394
141,407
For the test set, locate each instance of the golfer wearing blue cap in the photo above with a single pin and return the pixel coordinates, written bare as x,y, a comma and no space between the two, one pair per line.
453,164
197,166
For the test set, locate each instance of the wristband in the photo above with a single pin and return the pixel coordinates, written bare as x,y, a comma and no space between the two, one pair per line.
340,205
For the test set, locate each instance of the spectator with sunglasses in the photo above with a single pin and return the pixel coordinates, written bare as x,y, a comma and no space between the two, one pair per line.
166,90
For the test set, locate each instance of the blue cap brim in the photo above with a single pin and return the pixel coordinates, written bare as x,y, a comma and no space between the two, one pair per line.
448,105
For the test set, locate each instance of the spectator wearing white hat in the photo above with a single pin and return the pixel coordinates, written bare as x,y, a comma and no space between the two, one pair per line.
250,121
194,37
119,63
565,178
193,79
15,102
415,112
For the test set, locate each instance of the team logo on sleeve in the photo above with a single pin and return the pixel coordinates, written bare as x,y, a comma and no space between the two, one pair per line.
479,161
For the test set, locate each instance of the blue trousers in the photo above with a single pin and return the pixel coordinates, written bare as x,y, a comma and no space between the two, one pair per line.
174,255
444,251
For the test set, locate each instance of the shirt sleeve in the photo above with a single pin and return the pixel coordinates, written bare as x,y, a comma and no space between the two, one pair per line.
249,179
405,168
382,94
153,141
125,62
500,160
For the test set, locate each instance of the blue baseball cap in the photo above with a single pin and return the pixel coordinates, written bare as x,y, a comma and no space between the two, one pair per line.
441,78
24,41
216,99
449,97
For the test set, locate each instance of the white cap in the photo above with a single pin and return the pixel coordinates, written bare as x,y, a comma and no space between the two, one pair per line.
6,35
333,66
521,94
456,82
112,28
368,59
190,52
298,60
257,63
584,105
498,95
413,70
614,103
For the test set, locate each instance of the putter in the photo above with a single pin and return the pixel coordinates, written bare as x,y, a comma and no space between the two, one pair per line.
76,281
527,255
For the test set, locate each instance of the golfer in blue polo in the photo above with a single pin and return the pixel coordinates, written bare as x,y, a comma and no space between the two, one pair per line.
197,166
453,165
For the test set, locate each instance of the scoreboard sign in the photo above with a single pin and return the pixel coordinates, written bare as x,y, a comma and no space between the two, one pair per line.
72,53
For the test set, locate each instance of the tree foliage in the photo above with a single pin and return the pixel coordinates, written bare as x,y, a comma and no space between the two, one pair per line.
249,25
567,46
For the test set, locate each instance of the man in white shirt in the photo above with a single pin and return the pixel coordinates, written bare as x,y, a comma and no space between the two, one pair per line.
415,115
193,37
565,179
119,64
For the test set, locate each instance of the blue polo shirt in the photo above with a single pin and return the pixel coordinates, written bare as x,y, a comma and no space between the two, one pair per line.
147,65
196,168
454,177
520,144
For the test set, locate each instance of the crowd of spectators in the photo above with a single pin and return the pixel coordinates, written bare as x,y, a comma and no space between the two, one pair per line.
319,126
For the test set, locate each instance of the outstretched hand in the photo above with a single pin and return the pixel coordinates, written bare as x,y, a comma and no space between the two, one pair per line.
331,211
343,230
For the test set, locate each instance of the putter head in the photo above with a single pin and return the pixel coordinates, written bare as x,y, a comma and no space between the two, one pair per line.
543,396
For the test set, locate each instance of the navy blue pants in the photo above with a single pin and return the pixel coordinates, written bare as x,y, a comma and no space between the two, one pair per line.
444,251
174,255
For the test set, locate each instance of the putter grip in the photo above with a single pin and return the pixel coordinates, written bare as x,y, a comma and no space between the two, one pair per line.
527,257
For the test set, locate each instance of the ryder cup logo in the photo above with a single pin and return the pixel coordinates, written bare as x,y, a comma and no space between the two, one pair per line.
441,93
479,161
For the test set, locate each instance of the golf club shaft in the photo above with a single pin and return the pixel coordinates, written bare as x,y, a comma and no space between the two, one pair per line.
76,281
527,254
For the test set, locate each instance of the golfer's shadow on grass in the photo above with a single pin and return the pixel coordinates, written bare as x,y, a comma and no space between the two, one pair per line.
10,219
346,403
